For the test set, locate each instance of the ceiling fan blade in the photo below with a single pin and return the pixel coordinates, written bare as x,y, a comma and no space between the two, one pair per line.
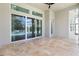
49,4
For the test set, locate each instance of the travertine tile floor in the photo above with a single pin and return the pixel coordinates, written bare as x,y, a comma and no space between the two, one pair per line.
41,47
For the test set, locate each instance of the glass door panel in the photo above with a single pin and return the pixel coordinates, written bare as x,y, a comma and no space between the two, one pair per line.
18,27
33,27
30,27
39,27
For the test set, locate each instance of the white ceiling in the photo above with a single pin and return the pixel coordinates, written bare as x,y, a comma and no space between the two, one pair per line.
54,7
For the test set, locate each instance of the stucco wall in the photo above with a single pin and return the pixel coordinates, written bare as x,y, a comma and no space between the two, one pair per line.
4,24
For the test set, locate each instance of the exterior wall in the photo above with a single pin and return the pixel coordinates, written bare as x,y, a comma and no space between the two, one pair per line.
4,24
61,24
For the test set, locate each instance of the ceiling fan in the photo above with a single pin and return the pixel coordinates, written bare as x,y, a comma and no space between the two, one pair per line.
49,4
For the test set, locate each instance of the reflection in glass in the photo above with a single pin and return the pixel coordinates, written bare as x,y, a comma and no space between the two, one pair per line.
39,27
30,28
18,27
34,27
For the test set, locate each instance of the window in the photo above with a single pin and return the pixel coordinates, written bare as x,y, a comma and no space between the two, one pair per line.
77,22
74,20
77,26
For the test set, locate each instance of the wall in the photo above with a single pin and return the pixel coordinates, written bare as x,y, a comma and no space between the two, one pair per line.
61,24
4,24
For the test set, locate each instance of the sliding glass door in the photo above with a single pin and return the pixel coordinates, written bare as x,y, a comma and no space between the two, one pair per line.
30,28
34,27
18,27
39,27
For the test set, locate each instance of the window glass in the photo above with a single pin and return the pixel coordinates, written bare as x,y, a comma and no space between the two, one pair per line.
18,27
34,27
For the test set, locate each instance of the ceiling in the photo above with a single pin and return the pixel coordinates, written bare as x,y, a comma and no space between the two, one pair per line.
54,7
